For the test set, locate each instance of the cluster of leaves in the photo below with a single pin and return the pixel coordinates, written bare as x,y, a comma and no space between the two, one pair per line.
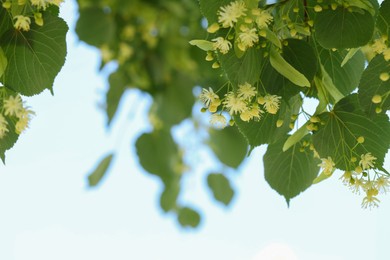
32,53
334,51
311,49
148,41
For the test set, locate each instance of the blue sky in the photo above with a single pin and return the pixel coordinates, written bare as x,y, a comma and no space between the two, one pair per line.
47,211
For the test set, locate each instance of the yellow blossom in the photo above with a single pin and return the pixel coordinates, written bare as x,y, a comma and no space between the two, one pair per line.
327,165
222,45
228,14
367,161
246,91
3,126
247,38
234,104
263,18
22,22
208,96
382,184
271,103
218,120
13,105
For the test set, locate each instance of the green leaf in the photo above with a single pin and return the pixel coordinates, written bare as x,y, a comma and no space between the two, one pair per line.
3,62
327,85
174,104
383,19
228,145
188,217
342,28
34,57
301,56
203,44
295,137
272,37
169,196
292,171
95,26
339,130
158,154
96,176
266,131
288,71
220,187
5,21
114,94
244,69
345,78
9,139
349,55
371,85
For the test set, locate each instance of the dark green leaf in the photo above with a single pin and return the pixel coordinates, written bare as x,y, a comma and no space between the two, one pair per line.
169,196
174,104
34,57
95,26
229,146
5,21
345,78
266,131
244,69
158,154
114,94
9,139
338,133
342,28
292,171
221,188
371,85
188,217
301,56
383,19
96,176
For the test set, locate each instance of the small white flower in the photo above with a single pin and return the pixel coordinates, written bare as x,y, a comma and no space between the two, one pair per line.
3,126
218,120
367,161
13,106
327,165
208,96
228,15
263,18
271,103
222,45
22,22
247,38
234,104
246,91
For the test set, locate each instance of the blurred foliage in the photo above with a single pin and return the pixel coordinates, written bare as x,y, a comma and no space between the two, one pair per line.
258,63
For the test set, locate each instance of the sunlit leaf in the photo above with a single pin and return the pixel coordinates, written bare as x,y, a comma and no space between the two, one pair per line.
34,57
188,217
292,171
228,145
100,171
343,28
220,187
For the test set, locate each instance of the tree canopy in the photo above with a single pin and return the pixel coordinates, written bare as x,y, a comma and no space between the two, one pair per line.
250,66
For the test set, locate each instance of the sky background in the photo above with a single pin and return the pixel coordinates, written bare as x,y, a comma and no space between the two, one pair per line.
47,211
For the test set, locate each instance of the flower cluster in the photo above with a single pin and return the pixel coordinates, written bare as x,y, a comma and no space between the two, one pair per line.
380,46
22,20
363,179
249,23
13,111
245,103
